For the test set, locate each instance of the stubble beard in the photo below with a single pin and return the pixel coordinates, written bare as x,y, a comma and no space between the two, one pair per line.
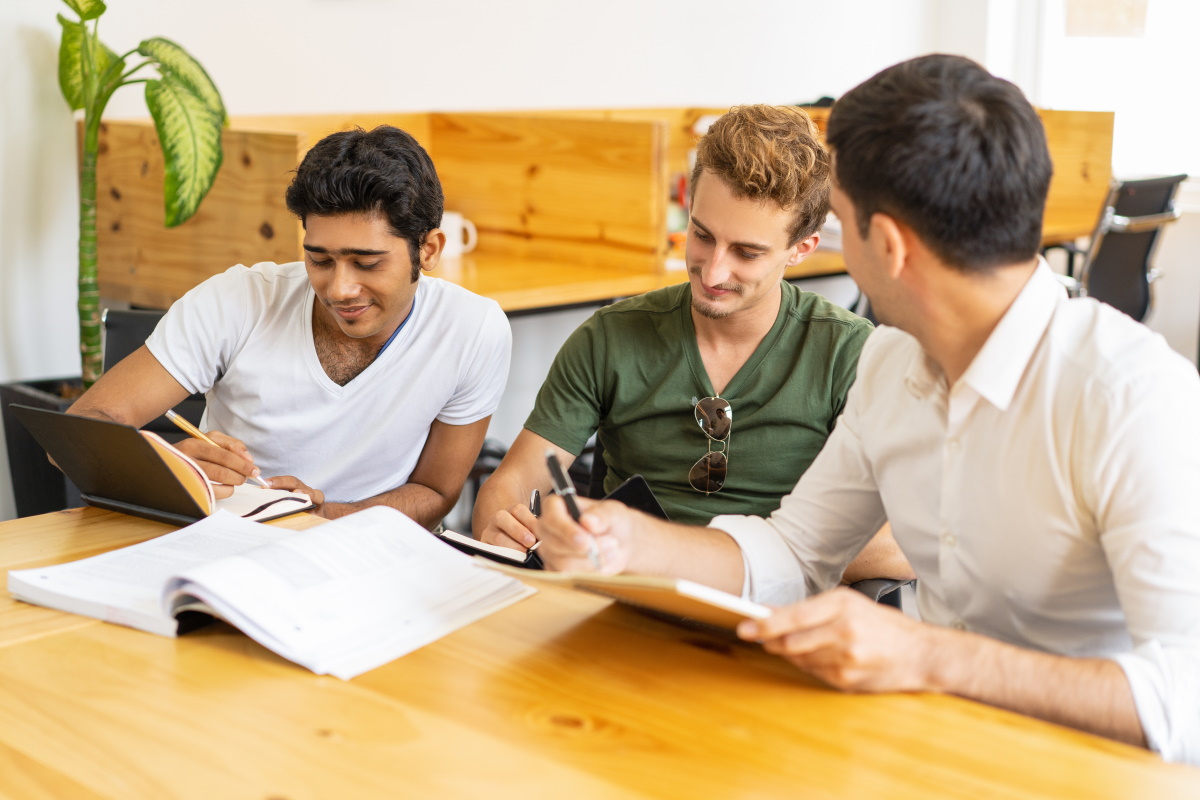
711,312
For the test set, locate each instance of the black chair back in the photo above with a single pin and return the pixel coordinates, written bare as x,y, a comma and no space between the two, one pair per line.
124,332
1118,266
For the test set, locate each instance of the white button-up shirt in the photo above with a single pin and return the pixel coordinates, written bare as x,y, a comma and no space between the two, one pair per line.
1050,498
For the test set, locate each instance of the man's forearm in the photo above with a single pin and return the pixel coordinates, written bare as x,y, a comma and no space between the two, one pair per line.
703,555
422,504
1090,694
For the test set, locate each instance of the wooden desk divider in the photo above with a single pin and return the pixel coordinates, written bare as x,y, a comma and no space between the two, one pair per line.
570,205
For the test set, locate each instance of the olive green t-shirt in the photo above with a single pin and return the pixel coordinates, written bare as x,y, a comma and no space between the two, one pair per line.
633,373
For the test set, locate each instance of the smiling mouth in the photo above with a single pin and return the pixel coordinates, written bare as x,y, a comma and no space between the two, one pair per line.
350,312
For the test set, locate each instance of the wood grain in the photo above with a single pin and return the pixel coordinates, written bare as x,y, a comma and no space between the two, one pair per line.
576,191
562,695
242,221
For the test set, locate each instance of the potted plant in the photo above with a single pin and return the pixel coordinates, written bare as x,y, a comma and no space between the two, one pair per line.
188,117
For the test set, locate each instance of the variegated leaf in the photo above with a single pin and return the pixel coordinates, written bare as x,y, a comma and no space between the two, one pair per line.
87,9
190,135
175,62
70,59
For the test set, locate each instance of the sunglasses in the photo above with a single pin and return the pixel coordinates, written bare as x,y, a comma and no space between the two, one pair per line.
715,418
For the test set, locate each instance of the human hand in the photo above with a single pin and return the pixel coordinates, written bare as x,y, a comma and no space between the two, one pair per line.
293,484
602,540
848,641
511,527
227,465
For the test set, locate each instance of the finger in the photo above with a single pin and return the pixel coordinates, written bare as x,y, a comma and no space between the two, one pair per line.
809,613
293,484
231,444
222,490
504,531
569,538
517,524
219,464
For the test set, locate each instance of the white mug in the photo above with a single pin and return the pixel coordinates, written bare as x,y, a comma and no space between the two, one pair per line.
461,236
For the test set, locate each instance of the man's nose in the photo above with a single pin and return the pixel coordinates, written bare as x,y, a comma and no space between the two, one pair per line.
343,284
715,271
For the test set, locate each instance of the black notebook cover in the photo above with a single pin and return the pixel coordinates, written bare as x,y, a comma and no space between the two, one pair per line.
112,464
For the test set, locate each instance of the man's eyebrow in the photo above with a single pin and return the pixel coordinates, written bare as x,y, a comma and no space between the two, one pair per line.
345,251
741,245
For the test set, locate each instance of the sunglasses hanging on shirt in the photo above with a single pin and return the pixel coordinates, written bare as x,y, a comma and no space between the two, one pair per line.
715,417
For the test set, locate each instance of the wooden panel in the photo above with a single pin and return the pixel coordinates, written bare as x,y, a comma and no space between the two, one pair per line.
243,219
314,127
1081,149
576,191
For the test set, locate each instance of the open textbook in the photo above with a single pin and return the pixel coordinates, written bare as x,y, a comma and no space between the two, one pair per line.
137,472
673,597
340,598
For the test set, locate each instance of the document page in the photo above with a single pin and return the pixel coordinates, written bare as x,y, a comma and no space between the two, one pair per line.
125,586
349,595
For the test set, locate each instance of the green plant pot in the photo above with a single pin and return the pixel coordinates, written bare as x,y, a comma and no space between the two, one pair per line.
38,486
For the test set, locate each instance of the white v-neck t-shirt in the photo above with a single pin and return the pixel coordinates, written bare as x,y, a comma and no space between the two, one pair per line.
245,339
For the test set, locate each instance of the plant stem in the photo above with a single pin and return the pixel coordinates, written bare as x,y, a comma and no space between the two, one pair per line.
89,288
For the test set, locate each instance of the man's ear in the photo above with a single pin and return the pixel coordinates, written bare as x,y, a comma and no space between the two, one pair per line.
889,237
431,249
803,249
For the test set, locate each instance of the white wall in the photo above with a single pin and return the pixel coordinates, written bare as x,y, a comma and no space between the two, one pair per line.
301,56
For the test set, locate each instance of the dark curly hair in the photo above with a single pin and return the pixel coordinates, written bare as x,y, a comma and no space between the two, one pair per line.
384,171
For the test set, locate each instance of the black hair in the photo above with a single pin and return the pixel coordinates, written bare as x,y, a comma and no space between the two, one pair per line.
384,170
952,151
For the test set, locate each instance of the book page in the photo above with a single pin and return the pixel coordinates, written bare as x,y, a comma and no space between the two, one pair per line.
254,502
185,470
351,594
125,586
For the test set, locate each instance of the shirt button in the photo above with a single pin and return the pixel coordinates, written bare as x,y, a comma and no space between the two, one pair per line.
960,625
949,539
952,445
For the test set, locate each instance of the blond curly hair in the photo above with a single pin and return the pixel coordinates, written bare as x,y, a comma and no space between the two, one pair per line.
770,152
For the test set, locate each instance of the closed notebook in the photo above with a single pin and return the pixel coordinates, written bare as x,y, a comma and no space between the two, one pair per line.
121,468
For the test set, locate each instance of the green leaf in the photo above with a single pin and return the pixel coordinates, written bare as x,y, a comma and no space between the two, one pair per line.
190,135
70,60
175,63
87,9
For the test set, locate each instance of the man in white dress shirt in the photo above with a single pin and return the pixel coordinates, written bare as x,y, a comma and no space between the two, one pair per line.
1037,457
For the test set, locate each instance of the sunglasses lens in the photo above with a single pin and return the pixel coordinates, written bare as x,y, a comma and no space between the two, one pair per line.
708,474
715,417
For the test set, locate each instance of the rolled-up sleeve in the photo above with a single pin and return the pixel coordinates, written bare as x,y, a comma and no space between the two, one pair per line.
1145,475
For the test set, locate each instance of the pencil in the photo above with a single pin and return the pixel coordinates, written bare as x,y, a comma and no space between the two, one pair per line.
194,432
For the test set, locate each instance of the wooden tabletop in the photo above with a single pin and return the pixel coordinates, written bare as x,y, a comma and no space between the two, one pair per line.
563,695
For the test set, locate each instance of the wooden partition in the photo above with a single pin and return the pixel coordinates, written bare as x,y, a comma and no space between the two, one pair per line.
570,205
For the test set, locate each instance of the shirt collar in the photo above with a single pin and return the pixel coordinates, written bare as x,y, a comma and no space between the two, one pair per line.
996,370
998,366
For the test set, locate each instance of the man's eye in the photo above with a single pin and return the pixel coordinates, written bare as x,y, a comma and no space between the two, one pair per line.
320,263
749,256
372,265
701,235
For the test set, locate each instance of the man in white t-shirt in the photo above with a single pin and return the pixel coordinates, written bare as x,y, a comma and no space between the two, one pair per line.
348,376
1037,456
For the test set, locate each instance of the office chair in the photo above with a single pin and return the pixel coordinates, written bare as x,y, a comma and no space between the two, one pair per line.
881,590
126,331
1116,267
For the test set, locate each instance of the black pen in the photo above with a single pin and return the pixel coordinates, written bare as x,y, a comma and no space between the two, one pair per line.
535,508
564,488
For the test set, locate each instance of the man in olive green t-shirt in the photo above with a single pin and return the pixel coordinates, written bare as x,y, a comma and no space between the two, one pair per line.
720,391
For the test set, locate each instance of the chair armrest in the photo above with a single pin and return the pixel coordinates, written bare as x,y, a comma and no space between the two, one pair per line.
877,588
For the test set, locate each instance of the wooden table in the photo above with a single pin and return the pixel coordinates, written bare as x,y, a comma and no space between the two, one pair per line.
560,696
